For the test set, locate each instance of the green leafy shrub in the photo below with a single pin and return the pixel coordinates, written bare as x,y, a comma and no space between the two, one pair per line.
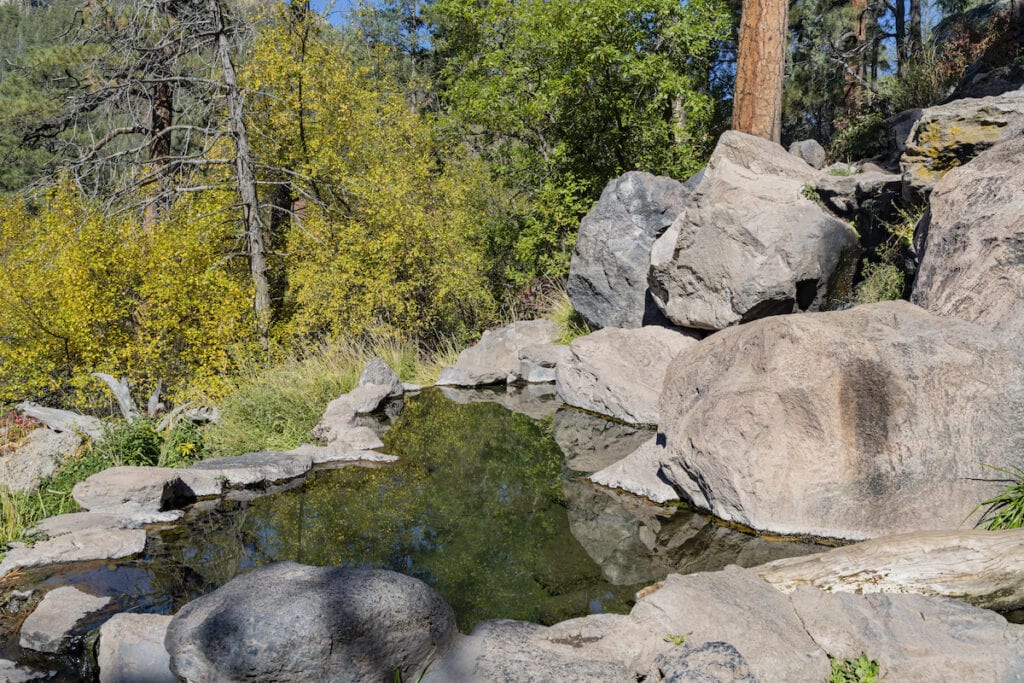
860,670
884,280
183,444
130,443
860,136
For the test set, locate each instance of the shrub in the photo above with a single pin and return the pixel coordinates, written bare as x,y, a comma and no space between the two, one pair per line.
860,670
1006,511
859,136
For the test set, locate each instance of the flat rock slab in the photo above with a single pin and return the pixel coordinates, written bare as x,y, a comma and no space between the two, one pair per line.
132,649
18,673
619,372
144,489
98,543
732,626
339,453
288,622
913,637
639,473
983,568
496,355
254,469
537,364
36,458
55,618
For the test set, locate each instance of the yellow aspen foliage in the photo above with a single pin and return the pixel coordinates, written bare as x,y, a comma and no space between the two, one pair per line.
392,240
82,291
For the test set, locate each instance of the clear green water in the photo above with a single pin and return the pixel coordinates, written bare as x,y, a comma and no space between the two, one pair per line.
484,505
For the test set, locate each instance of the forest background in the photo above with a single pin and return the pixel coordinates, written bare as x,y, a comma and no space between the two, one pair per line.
192,191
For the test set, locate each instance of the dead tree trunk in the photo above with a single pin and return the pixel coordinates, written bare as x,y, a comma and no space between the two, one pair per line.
757,102
246,181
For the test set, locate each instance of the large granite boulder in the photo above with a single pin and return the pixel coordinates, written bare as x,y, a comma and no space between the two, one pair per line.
496,356
878,420
619,373
288,622
952,134
608,273
972,266
36,458
751,243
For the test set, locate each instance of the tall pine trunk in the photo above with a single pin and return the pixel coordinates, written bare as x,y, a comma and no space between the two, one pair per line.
760,65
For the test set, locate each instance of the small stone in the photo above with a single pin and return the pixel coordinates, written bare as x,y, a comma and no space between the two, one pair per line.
55,618
378,372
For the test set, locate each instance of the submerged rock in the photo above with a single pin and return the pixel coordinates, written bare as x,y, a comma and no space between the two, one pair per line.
750,243
878,420
972,266
608,274
132,649
496,355
54,620
288,622
619,373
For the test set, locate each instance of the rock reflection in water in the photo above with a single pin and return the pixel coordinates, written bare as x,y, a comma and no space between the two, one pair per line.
634,541
591,443
538,401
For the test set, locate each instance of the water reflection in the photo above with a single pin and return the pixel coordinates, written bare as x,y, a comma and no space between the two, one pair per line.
483,505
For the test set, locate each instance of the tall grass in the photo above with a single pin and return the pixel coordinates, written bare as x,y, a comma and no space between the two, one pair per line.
558,308
273,408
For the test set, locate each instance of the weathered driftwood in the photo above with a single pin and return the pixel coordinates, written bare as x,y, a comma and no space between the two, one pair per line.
62,420
984,568
155,405
122,393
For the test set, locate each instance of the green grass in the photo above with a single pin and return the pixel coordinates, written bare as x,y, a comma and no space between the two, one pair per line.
860,670
1006,511
559,309
273,408
121,444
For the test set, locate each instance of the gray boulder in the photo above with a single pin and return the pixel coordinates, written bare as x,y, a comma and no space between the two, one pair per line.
144,489
619,373
952,134
378,372
289,622
54,620
36,458
132,649
538,363
496,355
878,420
972,266
608,273
750,243
810,151
714,662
